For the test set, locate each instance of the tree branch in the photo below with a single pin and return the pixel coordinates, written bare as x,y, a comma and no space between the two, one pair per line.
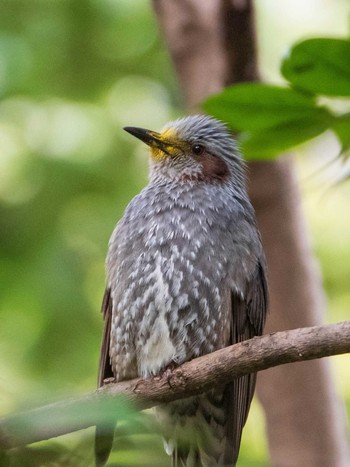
191,378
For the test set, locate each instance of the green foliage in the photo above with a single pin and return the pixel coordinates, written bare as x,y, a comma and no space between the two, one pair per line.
272,119
319,66
137,435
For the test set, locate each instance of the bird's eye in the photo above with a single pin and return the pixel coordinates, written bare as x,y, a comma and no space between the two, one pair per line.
197,149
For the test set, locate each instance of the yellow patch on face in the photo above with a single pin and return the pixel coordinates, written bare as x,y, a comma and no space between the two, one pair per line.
157,154
169,145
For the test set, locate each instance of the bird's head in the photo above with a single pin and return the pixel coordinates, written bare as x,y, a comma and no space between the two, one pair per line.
191,149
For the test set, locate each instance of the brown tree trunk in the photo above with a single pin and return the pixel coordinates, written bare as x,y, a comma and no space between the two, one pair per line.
212,44
305,422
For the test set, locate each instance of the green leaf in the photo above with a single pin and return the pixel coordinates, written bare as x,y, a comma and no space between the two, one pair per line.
341,127
319,66
269,143
249,107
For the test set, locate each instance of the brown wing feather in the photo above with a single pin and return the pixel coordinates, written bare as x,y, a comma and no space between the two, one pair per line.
105,369
248,319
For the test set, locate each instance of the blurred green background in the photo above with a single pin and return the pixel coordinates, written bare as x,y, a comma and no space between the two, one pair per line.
72,74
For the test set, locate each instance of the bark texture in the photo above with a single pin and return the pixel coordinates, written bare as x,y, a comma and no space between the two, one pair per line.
191,378
212,44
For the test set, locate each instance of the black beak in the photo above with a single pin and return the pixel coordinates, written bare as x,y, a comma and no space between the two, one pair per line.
151,138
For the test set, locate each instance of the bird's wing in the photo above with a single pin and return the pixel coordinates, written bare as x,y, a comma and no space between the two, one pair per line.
105,433
248,318
105,369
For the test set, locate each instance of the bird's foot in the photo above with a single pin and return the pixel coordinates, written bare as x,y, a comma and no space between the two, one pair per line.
167,372
109,381
135,388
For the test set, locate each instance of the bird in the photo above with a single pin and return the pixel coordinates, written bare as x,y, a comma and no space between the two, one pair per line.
186,275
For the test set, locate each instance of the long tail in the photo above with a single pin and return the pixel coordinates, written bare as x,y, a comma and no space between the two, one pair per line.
184,458
206,431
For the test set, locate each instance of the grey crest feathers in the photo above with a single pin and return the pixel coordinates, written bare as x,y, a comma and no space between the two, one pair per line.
207,130
186,276
217,141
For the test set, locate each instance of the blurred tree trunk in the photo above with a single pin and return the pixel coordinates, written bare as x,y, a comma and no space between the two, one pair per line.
212,44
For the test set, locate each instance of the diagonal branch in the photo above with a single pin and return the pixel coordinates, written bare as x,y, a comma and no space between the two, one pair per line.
191,378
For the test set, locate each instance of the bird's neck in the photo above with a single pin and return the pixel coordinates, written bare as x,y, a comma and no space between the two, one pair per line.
210,170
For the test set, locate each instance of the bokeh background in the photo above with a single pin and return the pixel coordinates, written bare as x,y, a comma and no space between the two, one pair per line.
72,74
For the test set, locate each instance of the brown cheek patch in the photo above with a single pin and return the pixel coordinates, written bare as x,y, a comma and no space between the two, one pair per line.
214,168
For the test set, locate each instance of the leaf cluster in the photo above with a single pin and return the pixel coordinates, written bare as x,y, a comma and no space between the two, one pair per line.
271,119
